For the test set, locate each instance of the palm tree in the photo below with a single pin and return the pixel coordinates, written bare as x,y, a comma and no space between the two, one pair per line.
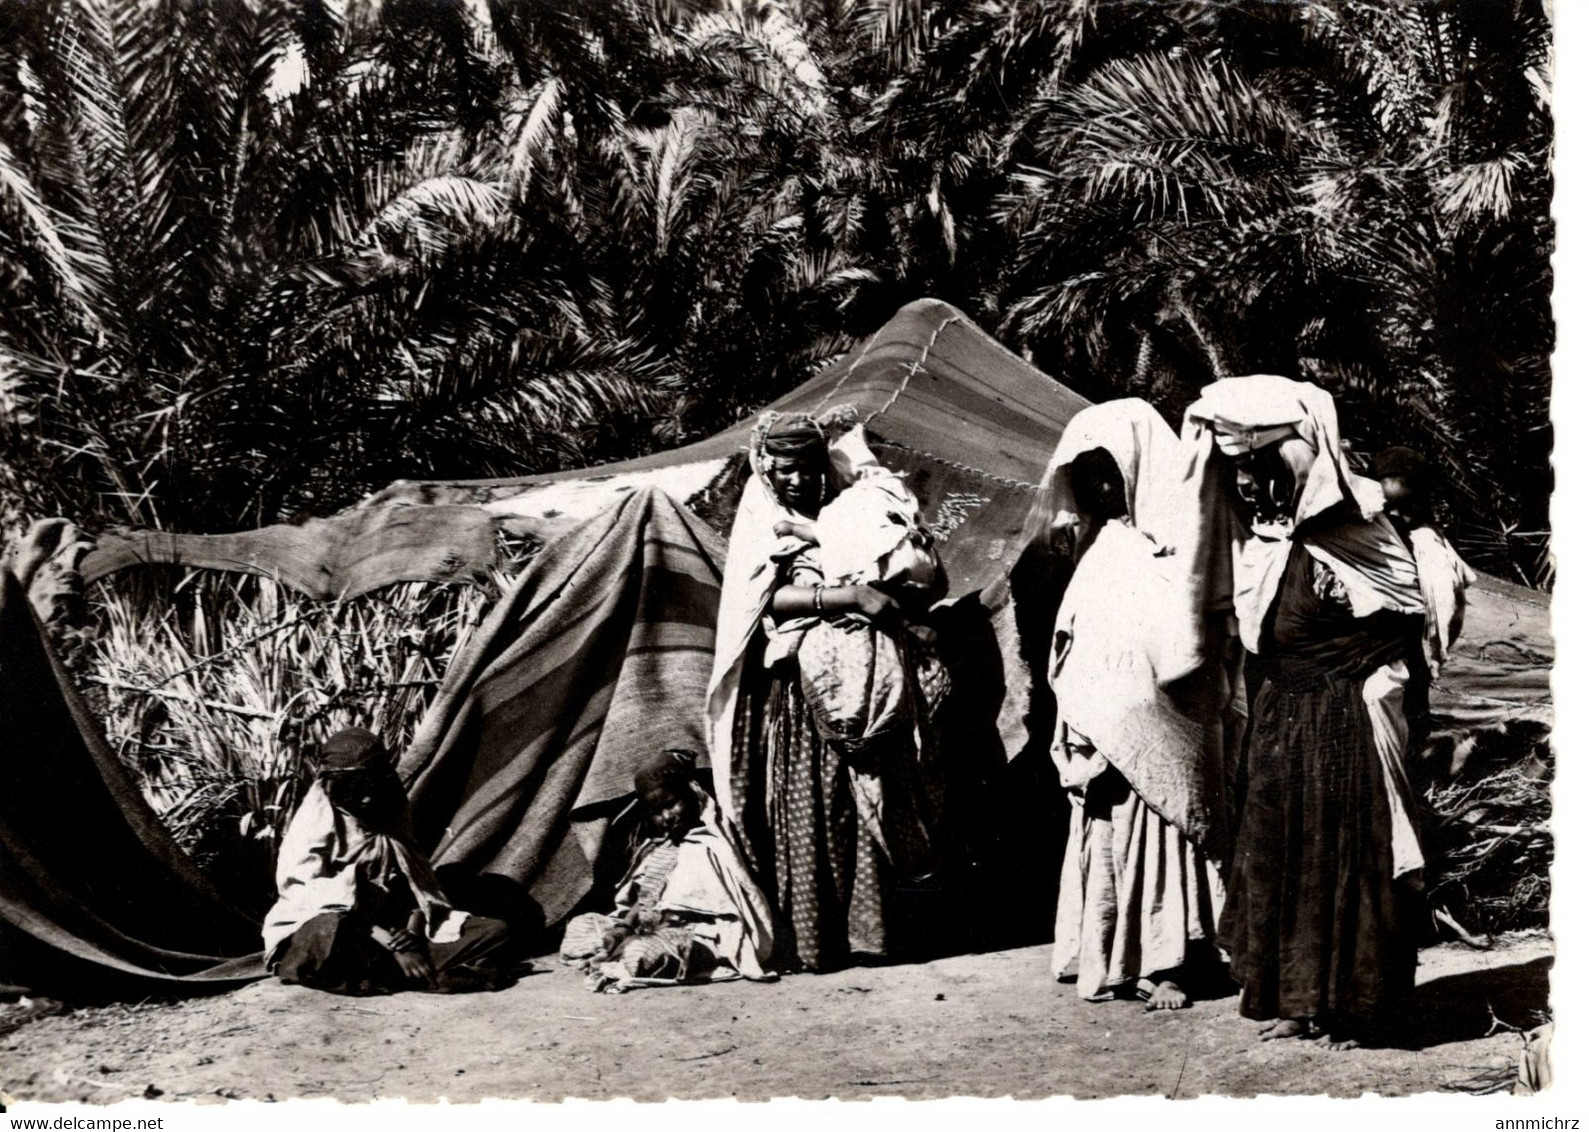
1344,192
265,255
251,244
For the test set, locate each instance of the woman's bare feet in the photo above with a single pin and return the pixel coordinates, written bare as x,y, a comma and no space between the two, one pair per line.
1280,1028
1339,1034
1167,996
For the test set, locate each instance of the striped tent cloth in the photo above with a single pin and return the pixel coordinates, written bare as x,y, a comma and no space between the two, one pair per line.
593,661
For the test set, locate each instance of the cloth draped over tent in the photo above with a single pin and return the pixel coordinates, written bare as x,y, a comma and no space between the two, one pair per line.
95,896
594,660
344,556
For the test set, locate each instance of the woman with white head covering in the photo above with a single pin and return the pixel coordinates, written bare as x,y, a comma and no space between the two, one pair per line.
1140,704
1320,911
817,710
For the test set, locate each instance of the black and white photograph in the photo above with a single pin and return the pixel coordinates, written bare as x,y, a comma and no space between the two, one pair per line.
821,549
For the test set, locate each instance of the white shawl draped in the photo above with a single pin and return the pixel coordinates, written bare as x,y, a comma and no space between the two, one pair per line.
1130,624
750,575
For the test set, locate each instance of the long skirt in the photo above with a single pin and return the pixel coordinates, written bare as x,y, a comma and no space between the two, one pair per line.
1315,922
1136,897
826,869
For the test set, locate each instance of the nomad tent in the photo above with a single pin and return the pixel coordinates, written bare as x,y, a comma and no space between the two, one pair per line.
598,655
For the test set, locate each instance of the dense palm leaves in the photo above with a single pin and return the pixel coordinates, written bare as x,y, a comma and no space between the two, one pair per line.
265,255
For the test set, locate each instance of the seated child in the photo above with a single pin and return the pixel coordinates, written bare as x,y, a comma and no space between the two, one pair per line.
687,911
358,909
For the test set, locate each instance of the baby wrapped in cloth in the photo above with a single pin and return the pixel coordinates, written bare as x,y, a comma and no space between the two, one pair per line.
857,677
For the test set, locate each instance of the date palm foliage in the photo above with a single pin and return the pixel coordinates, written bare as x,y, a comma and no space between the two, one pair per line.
263,256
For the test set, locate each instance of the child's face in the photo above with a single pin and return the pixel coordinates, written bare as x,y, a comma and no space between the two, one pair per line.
1403,501
375,797
673,812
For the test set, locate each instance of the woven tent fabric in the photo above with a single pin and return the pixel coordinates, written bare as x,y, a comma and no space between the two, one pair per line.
95,897
969,422
595,660
326,559
1499,671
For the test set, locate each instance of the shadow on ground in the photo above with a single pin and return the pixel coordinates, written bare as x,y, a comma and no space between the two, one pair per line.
1467,1006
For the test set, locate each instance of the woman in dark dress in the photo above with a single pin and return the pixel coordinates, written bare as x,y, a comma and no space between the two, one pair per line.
1321,907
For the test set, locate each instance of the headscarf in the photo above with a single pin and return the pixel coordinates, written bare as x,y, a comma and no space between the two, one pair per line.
1403,462
1144,448
670,770
1241,414
750,573
795,435
353,748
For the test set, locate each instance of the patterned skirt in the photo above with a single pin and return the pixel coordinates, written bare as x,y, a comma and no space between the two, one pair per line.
822,870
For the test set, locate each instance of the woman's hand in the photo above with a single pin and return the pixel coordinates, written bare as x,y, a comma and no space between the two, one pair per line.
877,607
413,957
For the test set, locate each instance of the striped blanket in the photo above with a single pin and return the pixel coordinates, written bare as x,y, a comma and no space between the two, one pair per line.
596,659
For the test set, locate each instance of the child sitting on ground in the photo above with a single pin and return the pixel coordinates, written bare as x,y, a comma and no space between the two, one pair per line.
358,909
687,911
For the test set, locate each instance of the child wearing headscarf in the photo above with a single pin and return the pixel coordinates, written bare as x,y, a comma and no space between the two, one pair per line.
359,910
687,911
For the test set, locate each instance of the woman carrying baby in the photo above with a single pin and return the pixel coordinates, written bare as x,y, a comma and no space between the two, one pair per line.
822,688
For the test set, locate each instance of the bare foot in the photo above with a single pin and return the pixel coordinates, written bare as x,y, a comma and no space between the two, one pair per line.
1338,1041
1167,996
1282,1028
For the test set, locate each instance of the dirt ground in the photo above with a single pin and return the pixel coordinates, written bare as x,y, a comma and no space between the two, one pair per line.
971,1025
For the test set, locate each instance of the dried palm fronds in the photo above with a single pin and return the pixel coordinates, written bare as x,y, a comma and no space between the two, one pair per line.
1488,840
214,688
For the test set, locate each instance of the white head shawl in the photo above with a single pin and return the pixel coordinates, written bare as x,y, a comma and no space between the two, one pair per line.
1241,414
1248,413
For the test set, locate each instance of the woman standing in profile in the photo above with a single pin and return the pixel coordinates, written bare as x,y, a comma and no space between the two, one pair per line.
818,706
1320,917
1140,717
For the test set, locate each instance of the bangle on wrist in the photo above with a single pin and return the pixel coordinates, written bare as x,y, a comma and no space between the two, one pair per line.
816,597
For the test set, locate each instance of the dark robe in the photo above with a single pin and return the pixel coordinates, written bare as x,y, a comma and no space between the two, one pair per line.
1314,921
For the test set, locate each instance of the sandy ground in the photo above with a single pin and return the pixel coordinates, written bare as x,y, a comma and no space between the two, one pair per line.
977,1025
